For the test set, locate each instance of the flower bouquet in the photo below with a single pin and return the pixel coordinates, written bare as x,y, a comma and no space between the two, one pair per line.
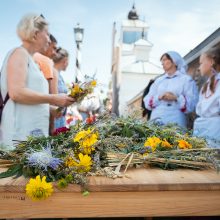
80,90
104,147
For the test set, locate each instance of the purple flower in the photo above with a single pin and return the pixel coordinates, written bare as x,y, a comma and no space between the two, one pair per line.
43,159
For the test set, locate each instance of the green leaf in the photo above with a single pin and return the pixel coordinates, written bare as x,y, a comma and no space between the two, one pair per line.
140,130
126,132
13,170
85,193
19,173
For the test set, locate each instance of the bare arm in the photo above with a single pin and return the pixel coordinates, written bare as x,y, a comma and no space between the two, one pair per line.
53,83
17,70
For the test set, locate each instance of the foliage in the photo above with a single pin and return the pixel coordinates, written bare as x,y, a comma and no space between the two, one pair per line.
104,147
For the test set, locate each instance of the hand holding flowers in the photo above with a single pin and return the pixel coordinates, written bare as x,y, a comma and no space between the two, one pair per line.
80,90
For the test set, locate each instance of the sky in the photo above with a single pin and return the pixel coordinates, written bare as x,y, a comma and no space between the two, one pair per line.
174,25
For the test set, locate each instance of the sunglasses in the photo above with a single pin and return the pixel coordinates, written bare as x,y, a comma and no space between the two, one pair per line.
60,52
39,16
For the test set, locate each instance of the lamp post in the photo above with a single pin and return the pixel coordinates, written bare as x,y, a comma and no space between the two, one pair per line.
78,32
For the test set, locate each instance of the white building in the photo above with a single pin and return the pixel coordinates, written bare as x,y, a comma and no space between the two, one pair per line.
133,66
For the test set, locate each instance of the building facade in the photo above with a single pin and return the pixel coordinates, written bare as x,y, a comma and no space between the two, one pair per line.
132,67
192,58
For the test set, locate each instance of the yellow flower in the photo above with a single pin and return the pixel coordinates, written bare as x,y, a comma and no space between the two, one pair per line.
70,162
87,149
83,165
152,142
165,143
84,161
81,135
93,83
86,140
38,189
184,144
89,140
75,90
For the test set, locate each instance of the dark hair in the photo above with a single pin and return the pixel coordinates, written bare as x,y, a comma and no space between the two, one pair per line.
146,111
53,39
214,54
167,56
60,54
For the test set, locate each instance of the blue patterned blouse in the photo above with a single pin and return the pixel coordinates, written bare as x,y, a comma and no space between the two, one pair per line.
62,88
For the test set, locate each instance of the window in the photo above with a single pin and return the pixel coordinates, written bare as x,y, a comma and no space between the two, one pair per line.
130,37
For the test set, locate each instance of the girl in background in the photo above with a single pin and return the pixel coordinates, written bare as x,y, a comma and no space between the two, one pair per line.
207,125
61,61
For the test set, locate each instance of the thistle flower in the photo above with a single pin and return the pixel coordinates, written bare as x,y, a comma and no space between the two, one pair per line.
43,159
38,189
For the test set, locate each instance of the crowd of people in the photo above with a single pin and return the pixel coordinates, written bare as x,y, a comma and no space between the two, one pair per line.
33,88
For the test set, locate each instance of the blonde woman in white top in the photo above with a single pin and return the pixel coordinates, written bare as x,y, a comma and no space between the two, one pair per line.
207,125
27,110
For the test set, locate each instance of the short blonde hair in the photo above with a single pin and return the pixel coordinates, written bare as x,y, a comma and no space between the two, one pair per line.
29,24
60,54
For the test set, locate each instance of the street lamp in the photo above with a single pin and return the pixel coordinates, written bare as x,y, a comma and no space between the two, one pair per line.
78,32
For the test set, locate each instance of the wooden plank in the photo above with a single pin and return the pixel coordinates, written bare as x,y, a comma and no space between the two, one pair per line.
112,204
159,180
146,192
137,180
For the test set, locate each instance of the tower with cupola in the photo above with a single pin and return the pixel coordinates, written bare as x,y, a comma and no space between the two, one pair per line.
132,59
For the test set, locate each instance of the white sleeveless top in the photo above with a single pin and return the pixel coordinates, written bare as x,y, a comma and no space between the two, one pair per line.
20,120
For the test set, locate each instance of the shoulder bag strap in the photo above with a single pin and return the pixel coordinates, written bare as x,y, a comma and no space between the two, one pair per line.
6,99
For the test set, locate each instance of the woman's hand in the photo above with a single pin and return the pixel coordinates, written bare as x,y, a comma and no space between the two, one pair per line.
168,96
62,100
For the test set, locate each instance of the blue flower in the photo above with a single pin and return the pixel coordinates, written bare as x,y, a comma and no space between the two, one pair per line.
43,159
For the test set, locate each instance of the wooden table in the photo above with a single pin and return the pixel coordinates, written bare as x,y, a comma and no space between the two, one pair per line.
145,192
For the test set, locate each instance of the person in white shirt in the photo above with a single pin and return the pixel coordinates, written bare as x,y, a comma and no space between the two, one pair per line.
207,125
173,94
